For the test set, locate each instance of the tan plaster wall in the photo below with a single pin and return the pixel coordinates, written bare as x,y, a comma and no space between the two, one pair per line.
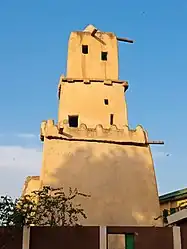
119,178
172,204
87,101
90,65
166,205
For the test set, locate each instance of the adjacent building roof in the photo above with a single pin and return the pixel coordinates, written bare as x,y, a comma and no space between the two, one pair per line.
176,195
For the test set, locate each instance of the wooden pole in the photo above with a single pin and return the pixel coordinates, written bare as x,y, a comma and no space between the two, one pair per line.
125,40
155,142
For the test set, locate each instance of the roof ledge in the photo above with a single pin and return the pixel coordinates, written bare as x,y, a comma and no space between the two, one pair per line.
178,216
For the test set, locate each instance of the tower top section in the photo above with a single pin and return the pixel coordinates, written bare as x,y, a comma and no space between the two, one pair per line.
93,54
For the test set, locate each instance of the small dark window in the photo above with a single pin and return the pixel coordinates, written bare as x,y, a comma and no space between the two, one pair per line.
111,119
172,210
104,56
73,121
85,49
106,101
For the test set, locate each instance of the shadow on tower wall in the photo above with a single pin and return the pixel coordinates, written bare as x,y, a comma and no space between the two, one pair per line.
119,178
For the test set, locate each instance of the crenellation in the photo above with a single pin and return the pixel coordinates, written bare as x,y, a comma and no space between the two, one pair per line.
49,129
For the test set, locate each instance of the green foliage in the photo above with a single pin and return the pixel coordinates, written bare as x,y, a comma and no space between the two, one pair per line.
45,207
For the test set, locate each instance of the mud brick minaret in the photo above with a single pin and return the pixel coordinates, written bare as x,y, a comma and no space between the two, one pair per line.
92,147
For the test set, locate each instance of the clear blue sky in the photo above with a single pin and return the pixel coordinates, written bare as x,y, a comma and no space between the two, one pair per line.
33,49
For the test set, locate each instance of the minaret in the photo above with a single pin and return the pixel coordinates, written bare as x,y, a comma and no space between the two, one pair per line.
92,94
91,147
92,54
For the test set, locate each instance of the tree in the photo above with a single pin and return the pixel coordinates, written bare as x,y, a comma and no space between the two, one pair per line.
45,207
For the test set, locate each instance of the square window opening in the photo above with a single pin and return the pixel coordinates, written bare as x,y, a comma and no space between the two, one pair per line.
106,101
73,121
111,119
104,56
85,49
